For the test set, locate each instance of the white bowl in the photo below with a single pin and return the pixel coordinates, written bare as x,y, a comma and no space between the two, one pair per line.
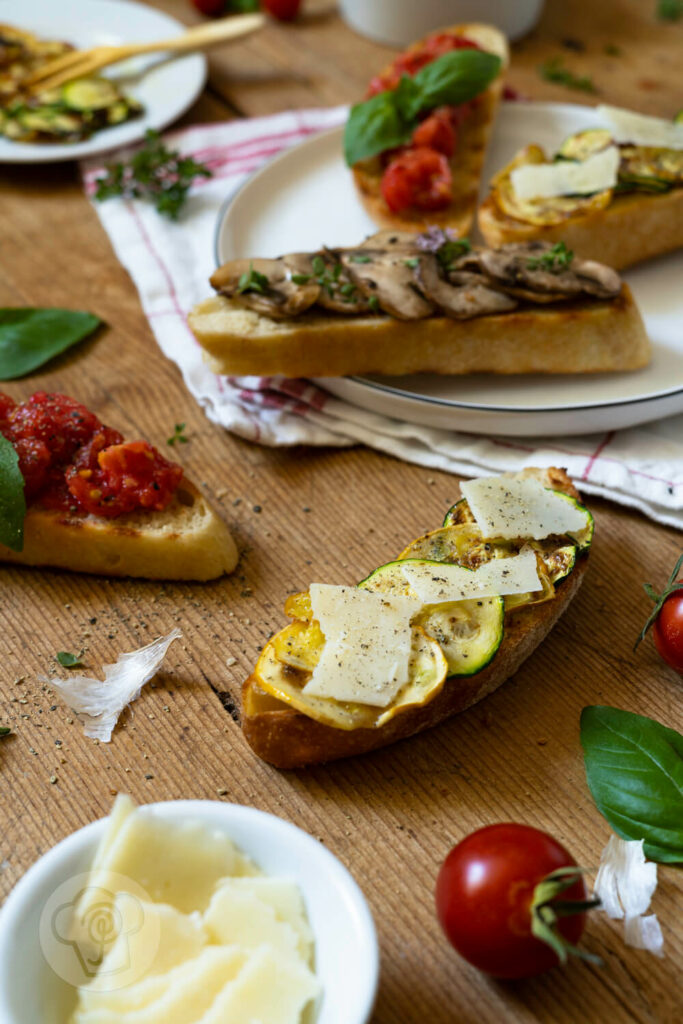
346,950
399,22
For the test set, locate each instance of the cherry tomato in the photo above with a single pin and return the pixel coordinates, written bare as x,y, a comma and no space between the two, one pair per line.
212,8
418,177
668,631
484,894
283,10
436,132
410,63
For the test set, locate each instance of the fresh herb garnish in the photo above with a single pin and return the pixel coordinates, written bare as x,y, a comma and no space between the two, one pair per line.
327,276
31,337
178,435
554,260
373,303
301,278
12,501
670,10
412,262
68,660
451,250
252,281
671,587
553,70
389,119
360,259
634,769
4,731
155,173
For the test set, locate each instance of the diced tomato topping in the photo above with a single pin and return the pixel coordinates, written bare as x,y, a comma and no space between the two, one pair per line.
71,461
126,477
436,132
418,177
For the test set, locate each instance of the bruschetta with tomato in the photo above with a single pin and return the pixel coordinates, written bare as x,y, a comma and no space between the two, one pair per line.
416,144
76,495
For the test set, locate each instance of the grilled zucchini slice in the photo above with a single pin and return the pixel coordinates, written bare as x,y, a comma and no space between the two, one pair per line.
581,145
89,94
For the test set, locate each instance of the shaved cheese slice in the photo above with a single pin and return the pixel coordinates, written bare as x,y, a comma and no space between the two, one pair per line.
271,989
625,884
367,644
511,507
101,702
641,129
437,583
567,177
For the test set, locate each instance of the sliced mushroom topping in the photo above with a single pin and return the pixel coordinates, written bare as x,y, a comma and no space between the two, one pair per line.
266,287
391,241
338,293
388,281
524,268
597,279
467,296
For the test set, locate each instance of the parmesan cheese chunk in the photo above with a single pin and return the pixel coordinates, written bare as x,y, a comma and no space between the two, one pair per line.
367,644
436,584
641,129
511,507
567,177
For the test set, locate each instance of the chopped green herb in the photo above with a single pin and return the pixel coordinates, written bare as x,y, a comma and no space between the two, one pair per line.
554,260
4,731
327,276
360,259
301,278
68,660
177,435
670,10
252,281
318,264
155,173
553,70
348,290
451,250
412,263
373,303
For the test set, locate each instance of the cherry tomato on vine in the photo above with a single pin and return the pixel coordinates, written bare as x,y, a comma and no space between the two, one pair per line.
418,177
501,897
283,10
666,619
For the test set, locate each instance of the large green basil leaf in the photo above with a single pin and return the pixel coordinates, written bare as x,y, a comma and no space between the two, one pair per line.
12,501
389,119
634,768
30,337
456,77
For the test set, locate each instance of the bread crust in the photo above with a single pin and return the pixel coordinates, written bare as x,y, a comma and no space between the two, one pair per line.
632,228
187,541
466,163
587,336
289,739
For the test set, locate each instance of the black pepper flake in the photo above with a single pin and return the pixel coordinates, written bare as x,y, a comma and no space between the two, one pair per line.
257,509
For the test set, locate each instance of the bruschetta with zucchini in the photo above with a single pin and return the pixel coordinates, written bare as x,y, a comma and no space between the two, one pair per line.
613,194
426,635
416,144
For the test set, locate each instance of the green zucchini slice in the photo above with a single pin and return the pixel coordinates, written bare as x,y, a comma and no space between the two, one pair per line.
584,144
89,94
468,632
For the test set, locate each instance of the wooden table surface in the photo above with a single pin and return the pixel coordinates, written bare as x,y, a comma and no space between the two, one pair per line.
305,514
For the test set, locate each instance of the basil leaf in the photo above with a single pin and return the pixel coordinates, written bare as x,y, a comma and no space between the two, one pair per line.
455,77
30,337
389,119
12,501
634,768
374,126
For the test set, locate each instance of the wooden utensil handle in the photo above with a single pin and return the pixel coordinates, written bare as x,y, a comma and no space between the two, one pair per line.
203,36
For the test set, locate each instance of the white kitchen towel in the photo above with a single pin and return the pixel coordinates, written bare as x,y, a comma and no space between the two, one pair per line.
170,263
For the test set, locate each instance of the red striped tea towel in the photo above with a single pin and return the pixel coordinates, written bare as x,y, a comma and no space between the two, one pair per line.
170,263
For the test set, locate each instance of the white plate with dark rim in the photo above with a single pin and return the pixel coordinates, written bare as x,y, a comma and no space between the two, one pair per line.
305,198
166,87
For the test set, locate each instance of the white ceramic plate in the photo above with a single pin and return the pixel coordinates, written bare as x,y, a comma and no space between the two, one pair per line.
305,197
346,951
165,92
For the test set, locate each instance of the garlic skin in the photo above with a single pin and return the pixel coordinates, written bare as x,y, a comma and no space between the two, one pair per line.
625,884
100,702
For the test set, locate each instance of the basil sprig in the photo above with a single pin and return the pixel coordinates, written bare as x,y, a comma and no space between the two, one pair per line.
634,768
30,337
12,501
389,119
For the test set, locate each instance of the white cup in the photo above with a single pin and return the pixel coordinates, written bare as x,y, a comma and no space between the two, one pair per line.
400,22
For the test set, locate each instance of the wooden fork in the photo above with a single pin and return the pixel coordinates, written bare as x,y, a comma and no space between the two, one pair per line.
82,63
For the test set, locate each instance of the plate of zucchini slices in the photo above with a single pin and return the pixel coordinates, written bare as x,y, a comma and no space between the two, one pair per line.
97,113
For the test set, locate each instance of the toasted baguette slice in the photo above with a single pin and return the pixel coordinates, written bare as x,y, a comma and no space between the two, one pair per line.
585,336
466,163
187,541
289,739
634,227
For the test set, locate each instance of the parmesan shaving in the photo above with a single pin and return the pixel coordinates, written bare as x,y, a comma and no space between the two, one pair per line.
100,702
567,177
435,584
511,507
627,126
625,884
